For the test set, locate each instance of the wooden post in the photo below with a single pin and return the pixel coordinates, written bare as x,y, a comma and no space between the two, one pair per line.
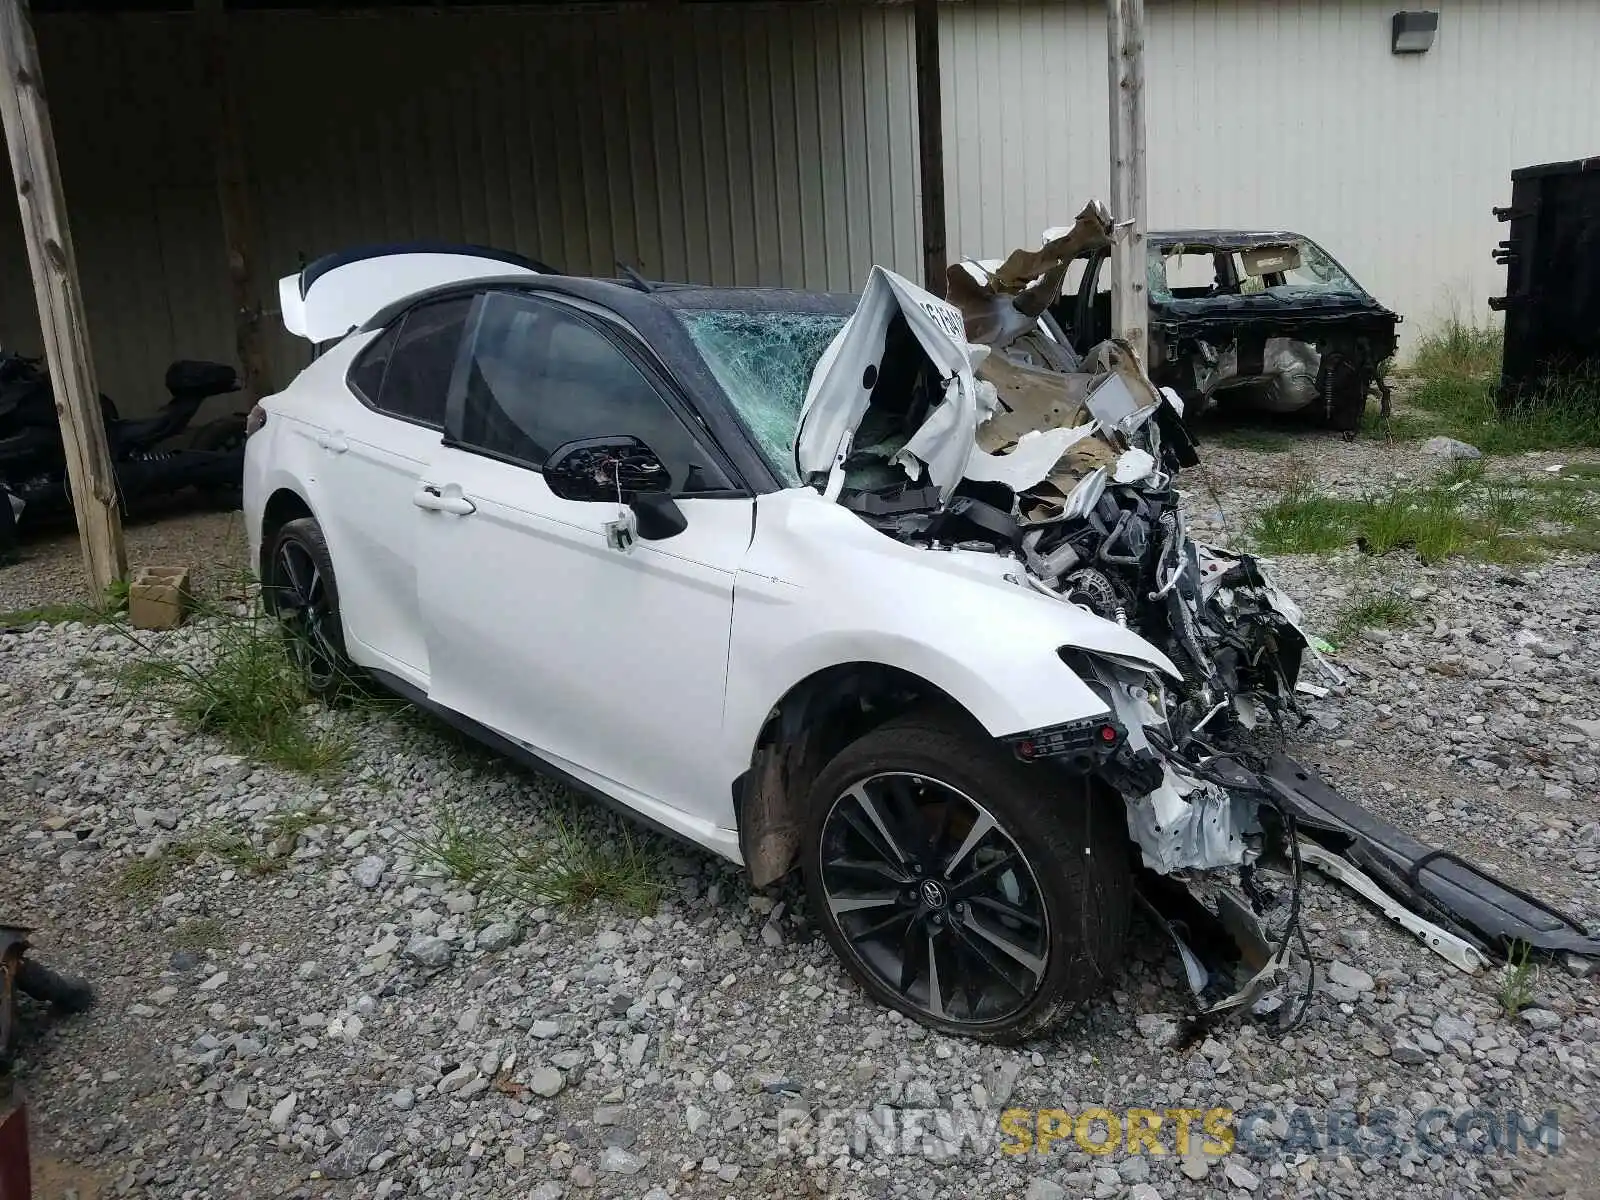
1130,302
15,1182
55,285
930,146
233,200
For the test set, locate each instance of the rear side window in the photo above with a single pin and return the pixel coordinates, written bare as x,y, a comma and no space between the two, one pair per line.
367,374
406,372
539,377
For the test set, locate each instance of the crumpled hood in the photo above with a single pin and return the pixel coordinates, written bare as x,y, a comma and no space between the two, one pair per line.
841,384
946,444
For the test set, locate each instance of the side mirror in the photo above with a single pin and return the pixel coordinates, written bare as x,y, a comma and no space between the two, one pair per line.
605,468
657,516
618,469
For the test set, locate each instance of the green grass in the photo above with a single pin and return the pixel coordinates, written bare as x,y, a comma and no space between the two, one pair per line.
58,614
1588,473
243,687
1462,514
1458,349
1457,369
146,876
464,852
204,933
293,824
575,869
1303,521
1398,427
110,606
1242,437
50,614
573,866
1564,417
1375,612
239,852
1517,979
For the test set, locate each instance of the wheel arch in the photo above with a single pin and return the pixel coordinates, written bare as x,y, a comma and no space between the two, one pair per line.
284,505
817,717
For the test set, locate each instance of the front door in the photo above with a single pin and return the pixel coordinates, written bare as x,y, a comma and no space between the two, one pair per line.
610,661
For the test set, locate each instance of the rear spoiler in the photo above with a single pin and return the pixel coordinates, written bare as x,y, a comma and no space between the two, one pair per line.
340,292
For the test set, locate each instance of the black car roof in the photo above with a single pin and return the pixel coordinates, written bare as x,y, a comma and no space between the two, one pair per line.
631,301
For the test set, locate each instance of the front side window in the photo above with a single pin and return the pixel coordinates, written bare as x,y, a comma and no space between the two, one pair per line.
539,376
406,371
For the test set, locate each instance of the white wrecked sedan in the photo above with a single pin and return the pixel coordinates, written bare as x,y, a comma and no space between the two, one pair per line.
796,578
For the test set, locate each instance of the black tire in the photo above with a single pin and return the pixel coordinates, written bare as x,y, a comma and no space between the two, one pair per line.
1071,838
307,606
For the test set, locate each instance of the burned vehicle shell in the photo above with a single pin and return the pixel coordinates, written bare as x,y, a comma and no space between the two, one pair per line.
1270,319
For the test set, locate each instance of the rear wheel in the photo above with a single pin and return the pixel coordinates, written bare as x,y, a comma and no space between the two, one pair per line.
977,894
298,587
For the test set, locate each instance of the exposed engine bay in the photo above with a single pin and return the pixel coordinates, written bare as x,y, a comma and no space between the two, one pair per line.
974,426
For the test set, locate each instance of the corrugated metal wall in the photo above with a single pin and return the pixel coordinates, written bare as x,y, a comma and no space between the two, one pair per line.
132,136
752,143
1271,114
741,144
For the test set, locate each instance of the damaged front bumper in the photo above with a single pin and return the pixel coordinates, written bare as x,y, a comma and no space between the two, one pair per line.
1209,826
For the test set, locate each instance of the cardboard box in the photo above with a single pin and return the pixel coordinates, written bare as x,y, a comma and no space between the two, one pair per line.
158,597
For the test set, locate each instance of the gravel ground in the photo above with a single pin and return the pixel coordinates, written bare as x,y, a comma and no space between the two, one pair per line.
357,1024
49,570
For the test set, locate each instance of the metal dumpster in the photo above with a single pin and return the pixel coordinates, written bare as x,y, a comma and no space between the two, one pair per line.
1552,261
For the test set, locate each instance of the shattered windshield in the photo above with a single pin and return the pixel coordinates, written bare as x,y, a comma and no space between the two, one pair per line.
764,360
1196,271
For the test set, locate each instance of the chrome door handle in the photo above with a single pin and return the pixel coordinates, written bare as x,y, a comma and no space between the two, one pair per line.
333,442
429,497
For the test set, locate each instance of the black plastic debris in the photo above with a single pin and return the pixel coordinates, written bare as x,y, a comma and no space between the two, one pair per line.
1437,884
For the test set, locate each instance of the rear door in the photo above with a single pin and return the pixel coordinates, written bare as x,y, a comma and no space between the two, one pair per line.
612,661
374,453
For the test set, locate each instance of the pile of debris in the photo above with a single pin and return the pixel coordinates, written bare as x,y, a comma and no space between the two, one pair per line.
975,425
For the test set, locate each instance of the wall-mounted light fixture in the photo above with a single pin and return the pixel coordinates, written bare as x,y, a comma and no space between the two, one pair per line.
1414,32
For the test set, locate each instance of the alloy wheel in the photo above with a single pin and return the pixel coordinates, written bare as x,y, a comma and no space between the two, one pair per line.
302,603
934,898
